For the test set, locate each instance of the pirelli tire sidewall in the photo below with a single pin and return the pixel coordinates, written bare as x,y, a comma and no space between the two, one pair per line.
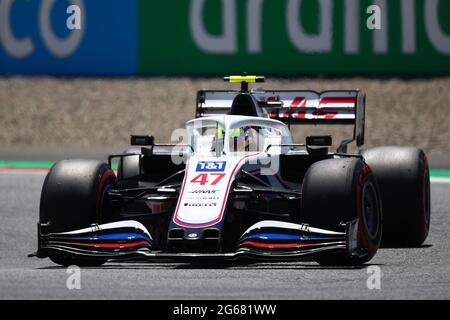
73,197
368,200
336,191
73,193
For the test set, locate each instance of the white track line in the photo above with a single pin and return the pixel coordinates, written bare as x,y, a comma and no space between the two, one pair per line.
440,180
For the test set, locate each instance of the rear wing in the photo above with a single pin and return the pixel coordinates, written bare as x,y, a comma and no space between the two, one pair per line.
295,106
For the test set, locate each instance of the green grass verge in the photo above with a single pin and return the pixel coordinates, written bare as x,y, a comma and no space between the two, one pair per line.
439,173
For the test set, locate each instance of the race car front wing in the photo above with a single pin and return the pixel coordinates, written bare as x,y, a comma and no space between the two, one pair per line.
267,240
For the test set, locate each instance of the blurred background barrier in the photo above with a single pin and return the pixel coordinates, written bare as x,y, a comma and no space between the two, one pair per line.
404,66
210,37
93,113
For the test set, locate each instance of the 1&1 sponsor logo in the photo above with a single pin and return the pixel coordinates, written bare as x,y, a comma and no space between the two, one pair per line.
210,166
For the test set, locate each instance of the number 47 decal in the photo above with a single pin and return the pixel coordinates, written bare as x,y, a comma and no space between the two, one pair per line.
203,178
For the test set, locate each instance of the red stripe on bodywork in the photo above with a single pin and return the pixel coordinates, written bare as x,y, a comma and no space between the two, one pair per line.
298,102
325,114
336,100
279,245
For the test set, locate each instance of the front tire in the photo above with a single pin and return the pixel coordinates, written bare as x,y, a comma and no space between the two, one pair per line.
342,190
73,197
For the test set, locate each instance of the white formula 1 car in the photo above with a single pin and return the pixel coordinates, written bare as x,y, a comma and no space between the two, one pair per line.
240,187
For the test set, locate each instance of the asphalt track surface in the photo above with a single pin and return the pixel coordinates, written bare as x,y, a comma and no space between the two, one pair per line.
408,273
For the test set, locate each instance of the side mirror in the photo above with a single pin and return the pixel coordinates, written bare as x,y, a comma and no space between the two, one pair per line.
320,141
318,145
142,140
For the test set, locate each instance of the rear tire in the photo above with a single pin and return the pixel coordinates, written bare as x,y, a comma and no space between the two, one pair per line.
404,179
342,190
73,198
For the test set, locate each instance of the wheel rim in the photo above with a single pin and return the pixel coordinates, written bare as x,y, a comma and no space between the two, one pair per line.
370,210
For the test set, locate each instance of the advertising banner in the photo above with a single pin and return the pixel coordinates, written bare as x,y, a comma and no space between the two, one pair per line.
45,37
294,37
216,37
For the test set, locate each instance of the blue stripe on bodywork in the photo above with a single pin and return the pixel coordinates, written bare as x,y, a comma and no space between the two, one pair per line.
116,236
280,236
